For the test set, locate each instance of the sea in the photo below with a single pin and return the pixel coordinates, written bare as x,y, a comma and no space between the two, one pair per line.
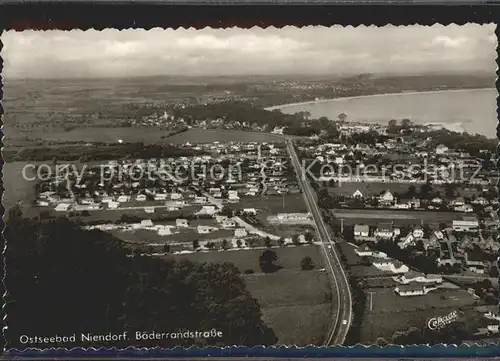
465,110
472,111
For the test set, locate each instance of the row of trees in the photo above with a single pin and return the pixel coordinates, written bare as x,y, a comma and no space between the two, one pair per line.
99,152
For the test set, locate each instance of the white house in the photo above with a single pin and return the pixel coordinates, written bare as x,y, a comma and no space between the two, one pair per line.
181,222
42,203
390,266
240,232
492,316
413,290
233,196
63,207
409,240
164,231
418,233
175,196
123,198
361,230
113,205
384,230
228,223
404,279
146,223
357,194
200,200
159,197
220,218
402,206
464,208
386,197
363,251
141,197
441,149
492,328
481,201
149,209
458,202
465,225
437,201
205,229
210,210
252,211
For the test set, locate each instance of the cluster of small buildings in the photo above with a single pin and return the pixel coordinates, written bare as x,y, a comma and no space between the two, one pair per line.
462,245
387,199
409,282
414,161
225,171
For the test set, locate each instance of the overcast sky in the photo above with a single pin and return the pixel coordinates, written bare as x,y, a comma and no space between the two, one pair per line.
311,50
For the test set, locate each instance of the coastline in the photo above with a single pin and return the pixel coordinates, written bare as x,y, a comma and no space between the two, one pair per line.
286,105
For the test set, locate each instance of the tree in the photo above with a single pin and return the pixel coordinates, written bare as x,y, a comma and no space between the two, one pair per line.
307,263
166,248
267,242
267,261
238,243
342,117
296,239
224,244
196,244
281,241
391,127
226,211
450,190
365,261
210,245
405,123
50,295
309,237
426,189
494,272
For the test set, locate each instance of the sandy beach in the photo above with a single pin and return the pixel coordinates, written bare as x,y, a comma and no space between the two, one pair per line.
373,96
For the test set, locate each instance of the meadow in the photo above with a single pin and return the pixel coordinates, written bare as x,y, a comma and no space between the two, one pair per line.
296,304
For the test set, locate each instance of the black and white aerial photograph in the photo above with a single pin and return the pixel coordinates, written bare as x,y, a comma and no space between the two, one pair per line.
283,186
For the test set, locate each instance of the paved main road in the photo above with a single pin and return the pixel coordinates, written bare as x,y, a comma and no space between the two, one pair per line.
340,285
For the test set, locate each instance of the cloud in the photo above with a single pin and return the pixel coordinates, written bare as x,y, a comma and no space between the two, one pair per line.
448,42
290,50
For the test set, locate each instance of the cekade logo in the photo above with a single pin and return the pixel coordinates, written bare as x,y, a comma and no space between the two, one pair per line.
436,323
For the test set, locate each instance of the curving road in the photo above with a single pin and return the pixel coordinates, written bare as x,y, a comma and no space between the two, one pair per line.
340,285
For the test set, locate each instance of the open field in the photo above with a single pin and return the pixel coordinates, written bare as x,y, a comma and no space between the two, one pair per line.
313,287
298,325
386,300
369,271
146,135
16,187
373,217
111,216
288,257
295,304
290,203
370,189
386,324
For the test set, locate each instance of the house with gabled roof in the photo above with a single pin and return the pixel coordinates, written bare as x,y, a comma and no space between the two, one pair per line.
386,198
357,194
